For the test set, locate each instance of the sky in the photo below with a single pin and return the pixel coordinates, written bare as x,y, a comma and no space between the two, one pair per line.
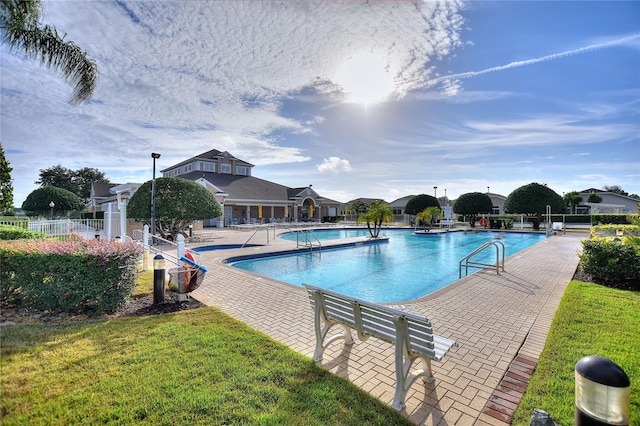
373,99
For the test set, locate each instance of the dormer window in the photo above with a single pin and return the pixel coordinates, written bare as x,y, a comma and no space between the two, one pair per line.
225,168
241,170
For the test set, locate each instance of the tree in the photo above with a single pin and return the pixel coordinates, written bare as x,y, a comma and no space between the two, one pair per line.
178,203
594,198
428,215
532,200
419,203
77,181
473,204
20,27
357,207
378,213
6,184
616,190
572,199
38,201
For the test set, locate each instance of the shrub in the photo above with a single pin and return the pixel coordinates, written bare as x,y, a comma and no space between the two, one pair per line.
603,219
611,263
90,277
8,232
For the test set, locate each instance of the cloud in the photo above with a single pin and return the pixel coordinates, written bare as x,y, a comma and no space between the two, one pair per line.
334,165
626,40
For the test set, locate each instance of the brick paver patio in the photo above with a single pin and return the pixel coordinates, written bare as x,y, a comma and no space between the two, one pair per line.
494,318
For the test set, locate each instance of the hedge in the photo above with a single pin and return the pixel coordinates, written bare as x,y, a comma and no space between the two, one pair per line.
82,277
9,232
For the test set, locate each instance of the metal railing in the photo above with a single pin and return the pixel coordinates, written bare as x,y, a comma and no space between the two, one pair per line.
307,241
499,264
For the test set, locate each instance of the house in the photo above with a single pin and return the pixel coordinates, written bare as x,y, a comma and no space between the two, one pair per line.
498,203
612,202
248,199
105,194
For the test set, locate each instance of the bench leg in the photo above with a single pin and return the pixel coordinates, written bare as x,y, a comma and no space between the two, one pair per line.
404,376
321,334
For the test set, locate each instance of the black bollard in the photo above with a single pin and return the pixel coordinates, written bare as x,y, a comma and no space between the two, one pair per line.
602,393
158,279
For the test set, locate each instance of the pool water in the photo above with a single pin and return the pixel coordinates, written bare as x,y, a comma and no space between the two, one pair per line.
405,267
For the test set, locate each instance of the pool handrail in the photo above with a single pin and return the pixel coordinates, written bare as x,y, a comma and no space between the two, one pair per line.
499,259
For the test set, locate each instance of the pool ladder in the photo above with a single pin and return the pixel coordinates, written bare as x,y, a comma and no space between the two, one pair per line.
307,241
466,261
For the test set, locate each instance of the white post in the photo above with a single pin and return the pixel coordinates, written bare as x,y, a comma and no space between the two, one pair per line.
180,244
123,221
521,222
145,244
109,222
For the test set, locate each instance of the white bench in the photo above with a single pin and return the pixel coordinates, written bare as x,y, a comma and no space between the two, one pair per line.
446,222
411,334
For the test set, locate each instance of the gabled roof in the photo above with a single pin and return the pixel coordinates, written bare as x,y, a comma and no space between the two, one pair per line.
102,189
212,154
239,187
401,202
367,201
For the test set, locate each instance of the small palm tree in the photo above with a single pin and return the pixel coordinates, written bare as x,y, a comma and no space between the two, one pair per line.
378,213
20,28
428,215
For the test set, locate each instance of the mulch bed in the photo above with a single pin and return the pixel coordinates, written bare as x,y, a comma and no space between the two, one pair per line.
135,307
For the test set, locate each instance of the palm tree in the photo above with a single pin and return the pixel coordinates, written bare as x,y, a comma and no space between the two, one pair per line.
572,199
428,215
20,28
378,213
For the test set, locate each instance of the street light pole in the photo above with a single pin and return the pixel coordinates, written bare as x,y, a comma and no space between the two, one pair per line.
155,156
435,191
52,205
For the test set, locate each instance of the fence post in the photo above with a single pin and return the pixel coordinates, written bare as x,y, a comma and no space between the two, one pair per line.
145,245
182,297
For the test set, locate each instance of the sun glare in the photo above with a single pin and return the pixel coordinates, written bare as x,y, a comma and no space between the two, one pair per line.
366,79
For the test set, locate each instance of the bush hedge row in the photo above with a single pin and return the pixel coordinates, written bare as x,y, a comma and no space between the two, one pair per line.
82,277
9,232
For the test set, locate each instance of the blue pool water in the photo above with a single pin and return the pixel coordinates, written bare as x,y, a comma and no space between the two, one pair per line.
405,267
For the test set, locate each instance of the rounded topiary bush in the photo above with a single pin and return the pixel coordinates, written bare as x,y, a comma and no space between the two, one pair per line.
611,263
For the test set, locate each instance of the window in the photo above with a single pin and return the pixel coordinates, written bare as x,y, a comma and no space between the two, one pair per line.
397,210
241,170
209,167
225,168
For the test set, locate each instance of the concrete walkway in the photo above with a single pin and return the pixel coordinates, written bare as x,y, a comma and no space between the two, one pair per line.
494,318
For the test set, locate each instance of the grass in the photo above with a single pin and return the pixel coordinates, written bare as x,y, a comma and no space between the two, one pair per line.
591,320
193,367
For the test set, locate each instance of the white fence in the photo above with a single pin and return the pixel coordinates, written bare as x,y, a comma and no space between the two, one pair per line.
63,229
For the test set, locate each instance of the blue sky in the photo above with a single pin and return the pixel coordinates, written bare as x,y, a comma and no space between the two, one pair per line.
380,100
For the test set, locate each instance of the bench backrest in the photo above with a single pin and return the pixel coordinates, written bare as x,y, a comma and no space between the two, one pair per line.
371,319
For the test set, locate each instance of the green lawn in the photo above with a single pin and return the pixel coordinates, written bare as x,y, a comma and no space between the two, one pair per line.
591,320
193,367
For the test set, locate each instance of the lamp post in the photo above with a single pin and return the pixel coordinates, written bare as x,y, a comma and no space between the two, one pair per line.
155,156
52,205
446,200
487,189
435,191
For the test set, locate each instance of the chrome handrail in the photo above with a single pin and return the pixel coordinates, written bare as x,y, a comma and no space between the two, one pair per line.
499,260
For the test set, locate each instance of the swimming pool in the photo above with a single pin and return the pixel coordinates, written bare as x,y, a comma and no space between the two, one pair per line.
404,267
